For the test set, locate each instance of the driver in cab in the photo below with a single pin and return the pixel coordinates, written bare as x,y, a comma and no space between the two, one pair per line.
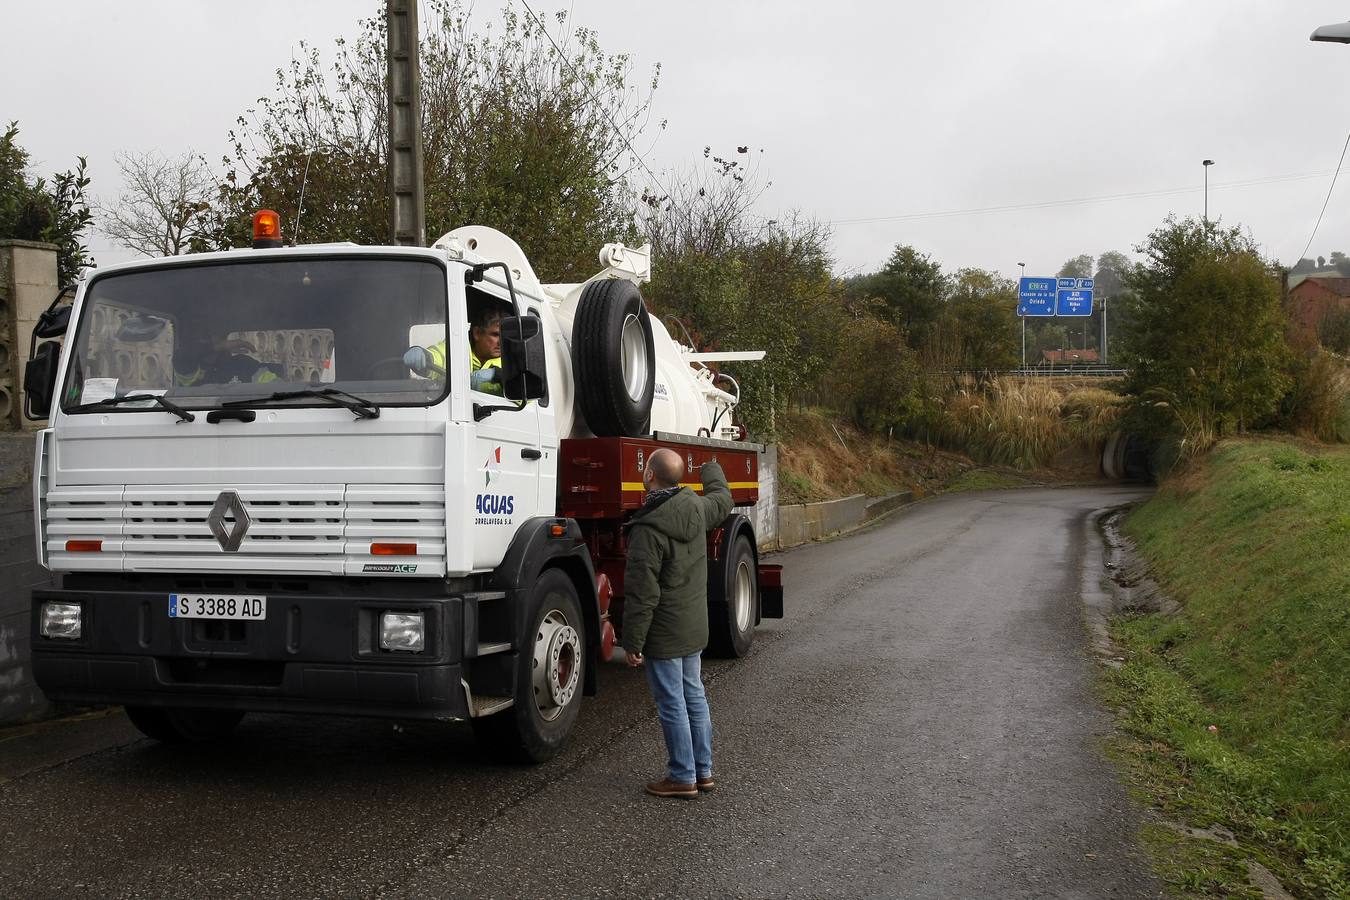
220,360
485,353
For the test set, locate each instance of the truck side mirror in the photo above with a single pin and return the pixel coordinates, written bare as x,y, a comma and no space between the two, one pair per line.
524,367
39,381
53,322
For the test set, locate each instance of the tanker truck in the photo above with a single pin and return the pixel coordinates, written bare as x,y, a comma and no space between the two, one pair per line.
251,502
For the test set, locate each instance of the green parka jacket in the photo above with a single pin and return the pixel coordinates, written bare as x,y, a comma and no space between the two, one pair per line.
665,604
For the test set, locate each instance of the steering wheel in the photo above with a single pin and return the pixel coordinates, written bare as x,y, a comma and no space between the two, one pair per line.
393,365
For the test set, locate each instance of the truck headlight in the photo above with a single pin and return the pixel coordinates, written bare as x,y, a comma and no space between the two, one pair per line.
403,631
61,620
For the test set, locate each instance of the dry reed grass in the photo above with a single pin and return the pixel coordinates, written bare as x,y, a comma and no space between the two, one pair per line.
1022,423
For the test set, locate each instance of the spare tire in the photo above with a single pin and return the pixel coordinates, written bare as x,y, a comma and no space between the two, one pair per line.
614,359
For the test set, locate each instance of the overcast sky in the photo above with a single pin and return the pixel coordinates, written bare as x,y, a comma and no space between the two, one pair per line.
880,111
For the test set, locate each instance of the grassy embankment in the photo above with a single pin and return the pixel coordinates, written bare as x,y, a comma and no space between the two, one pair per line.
1235,711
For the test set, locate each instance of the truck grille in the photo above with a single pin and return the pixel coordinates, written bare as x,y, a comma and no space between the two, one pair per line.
314,529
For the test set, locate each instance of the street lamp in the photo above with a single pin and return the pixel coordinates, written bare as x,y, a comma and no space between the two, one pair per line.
1333,34
1207,163
1023,274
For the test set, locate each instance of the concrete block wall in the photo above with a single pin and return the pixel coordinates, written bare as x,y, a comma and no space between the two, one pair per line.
20,700
802,522
27,287
764,514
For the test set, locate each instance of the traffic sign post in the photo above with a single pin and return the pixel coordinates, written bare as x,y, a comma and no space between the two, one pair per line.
1073,297
1036,297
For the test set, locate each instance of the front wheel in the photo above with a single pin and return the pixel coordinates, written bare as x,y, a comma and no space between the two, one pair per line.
184,726
733,600
551,668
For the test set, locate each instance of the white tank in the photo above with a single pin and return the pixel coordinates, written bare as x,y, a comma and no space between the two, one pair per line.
685,400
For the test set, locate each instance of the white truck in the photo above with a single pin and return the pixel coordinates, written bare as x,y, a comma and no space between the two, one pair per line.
252,503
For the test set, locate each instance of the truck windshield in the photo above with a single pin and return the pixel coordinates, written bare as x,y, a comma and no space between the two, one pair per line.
207,334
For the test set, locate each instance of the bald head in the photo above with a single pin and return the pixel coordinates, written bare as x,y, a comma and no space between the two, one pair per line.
665,467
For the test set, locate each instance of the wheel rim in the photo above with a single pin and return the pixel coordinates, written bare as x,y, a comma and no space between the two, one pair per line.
743,593
557,665
635,362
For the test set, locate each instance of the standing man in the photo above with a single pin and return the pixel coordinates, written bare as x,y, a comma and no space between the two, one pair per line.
665,612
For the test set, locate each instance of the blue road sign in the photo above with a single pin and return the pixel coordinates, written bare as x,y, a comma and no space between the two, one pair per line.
1074,297
1036,297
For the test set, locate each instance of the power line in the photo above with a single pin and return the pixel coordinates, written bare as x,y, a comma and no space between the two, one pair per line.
1076,201
1326,201
582,81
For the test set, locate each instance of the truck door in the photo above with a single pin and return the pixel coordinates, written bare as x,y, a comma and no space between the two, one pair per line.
510,484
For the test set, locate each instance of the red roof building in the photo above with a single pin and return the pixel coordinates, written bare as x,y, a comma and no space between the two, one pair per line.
1068,356
1313,299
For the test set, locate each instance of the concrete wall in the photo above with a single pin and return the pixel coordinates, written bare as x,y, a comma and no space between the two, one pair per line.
20,699
764,514
27,287
802,522
799,523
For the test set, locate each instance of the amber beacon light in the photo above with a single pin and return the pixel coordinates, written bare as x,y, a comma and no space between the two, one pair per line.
266,229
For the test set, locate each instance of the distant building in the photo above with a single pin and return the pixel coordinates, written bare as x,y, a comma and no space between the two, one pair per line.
1313,299
1327,272
1061,357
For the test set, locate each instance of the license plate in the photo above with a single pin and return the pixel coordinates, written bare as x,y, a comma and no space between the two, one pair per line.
217,606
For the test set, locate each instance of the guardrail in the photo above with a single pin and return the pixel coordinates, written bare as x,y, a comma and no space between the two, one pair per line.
1075,371
1059,371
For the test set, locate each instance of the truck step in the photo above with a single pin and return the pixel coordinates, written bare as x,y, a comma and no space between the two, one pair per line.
487,649
486,706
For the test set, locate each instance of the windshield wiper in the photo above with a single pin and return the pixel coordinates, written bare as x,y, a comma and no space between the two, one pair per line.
167,405
362,407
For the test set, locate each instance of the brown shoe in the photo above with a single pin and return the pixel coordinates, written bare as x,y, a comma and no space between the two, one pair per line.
706,784
667,788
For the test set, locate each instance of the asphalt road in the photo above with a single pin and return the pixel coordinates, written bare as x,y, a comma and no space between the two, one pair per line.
922,724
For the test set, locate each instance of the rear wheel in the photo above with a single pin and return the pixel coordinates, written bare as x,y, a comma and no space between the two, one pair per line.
733,600
184,726
551,668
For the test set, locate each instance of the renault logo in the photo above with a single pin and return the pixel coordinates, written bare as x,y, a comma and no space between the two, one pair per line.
229,534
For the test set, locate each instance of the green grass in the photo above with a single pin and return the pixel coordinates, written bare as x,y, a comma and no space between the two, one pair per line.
1254,543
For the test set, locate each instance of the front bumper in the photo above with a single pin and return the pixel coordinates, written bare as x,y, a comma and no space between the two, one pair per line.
313,653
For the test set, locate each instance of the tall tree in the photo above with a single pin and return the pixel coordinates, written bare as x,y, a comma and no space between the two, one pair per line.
735,281
1113,268
979,320
534,139
164,205
910,288
1206,338
35,209
1077,267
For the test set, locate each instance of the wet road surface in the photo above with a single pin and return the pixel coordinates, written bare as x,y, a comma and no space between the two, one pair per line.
922,724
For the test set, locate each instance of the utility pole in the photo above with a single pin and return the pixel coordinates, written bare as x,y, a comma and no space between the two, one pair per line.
403,83
1103,331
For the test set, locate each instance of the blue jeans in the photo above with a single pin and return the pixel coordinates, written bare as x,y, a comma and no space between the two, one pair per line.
683,711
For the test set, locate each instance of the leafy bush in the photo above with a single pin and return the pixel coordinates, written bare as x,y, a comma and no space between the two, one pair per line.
1318,404
37,210
1205,339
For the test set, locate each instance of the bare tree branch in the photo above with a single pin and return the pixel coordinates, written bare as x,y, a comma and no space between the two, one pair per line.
163,204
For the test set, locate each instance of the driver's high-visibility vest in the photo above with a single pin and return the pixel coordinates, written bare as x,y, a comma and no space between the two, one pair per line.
437,353
235,370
